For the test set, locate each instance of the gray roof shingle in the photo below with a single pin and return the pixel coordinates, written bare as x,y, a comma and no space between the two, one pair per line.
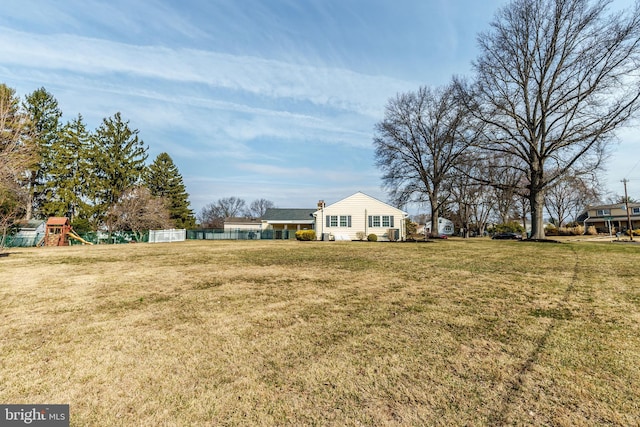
277,214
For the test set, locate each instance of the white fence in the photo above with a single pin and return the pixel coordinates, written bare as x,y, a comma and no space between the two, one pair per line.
165,236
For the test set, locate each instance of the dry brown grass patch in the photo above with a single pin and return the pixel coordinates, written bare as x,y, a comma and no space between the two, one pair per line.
303,333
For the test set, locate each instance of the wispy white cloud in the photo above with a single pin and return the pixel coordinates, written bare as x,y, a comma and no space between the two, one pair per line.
338,88
275,171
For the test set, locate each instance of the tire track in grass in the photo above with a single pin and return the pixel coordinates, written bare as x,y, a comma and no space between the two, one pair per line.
514,388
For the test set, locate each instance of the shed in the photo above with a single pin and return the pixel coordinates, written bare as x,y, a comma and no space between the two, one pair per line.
29,234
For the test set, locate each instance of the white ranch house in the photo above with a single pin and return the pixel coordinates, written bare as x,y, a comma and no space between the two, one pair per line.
359,213
345,219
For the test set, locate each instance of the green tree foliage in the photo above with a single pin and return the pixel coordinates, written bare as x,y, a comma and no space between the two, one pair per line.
117,160
69,175
44,120
410,226
49,169
509,227
163,179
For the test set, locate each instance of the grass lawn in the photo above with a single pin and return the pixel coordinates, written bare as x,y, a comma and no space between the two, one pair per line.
455,332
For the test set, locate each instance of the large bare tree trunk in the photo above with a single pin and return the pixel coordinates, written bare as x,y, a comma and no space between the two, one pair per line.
536,199
555,80
434,223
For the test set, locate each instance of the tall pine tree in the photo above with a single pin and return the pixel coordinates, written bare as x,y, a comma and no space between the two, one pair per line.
69,171
164,180
44,116
118,162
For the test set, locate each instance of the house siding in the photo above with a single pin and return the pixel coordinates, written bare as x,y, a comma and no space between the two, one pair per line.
601,216
357,209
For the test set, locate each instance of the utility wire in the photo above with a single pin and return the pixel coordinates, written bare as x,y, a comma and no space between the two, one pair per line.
632,169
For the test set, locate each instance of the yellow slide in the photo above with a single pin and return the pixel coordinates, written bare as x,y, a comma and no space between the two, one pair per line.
73,235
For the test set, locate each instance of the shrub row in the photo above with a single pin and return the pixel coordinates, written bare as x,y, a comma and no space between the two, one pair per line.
577,230
509,227
306,235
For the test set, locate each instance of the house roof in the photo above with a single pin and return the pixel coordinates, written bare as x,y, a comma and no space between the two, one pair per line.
618,213
613,206
241,220
32,224
364,197
277,214
58,220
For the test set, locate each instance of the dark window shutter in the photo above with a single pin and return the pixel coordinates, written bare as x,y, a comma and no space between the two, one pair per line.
391,221
349,221
328,221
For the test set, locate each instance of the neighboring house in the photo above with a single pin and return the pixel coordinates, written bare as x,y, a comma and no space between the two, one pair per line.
602,215
445,227
242,223
359,213
283,223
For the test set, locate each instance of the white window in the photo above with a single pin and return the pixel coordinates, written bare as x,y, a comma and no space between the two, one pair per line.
603,212
381,221
338,220
635,211
345,220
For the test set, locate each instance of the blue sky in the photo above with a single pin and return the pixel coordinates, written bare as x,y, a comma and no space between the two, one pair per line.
272,99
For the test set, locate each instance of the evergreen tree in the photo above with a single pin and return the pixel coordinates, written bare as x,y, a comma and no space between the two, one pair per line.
164,180
69,170
44,116
118,163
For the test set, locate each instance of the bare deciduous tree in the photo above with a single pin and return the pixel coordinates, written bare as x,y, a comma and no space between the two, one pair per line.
569,196
138,211
258,207
417,145
555,79
473,199
213,214
17,155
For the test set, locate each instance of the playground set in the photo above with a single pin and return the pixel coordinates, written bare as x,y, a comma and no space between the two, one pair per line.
58,232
